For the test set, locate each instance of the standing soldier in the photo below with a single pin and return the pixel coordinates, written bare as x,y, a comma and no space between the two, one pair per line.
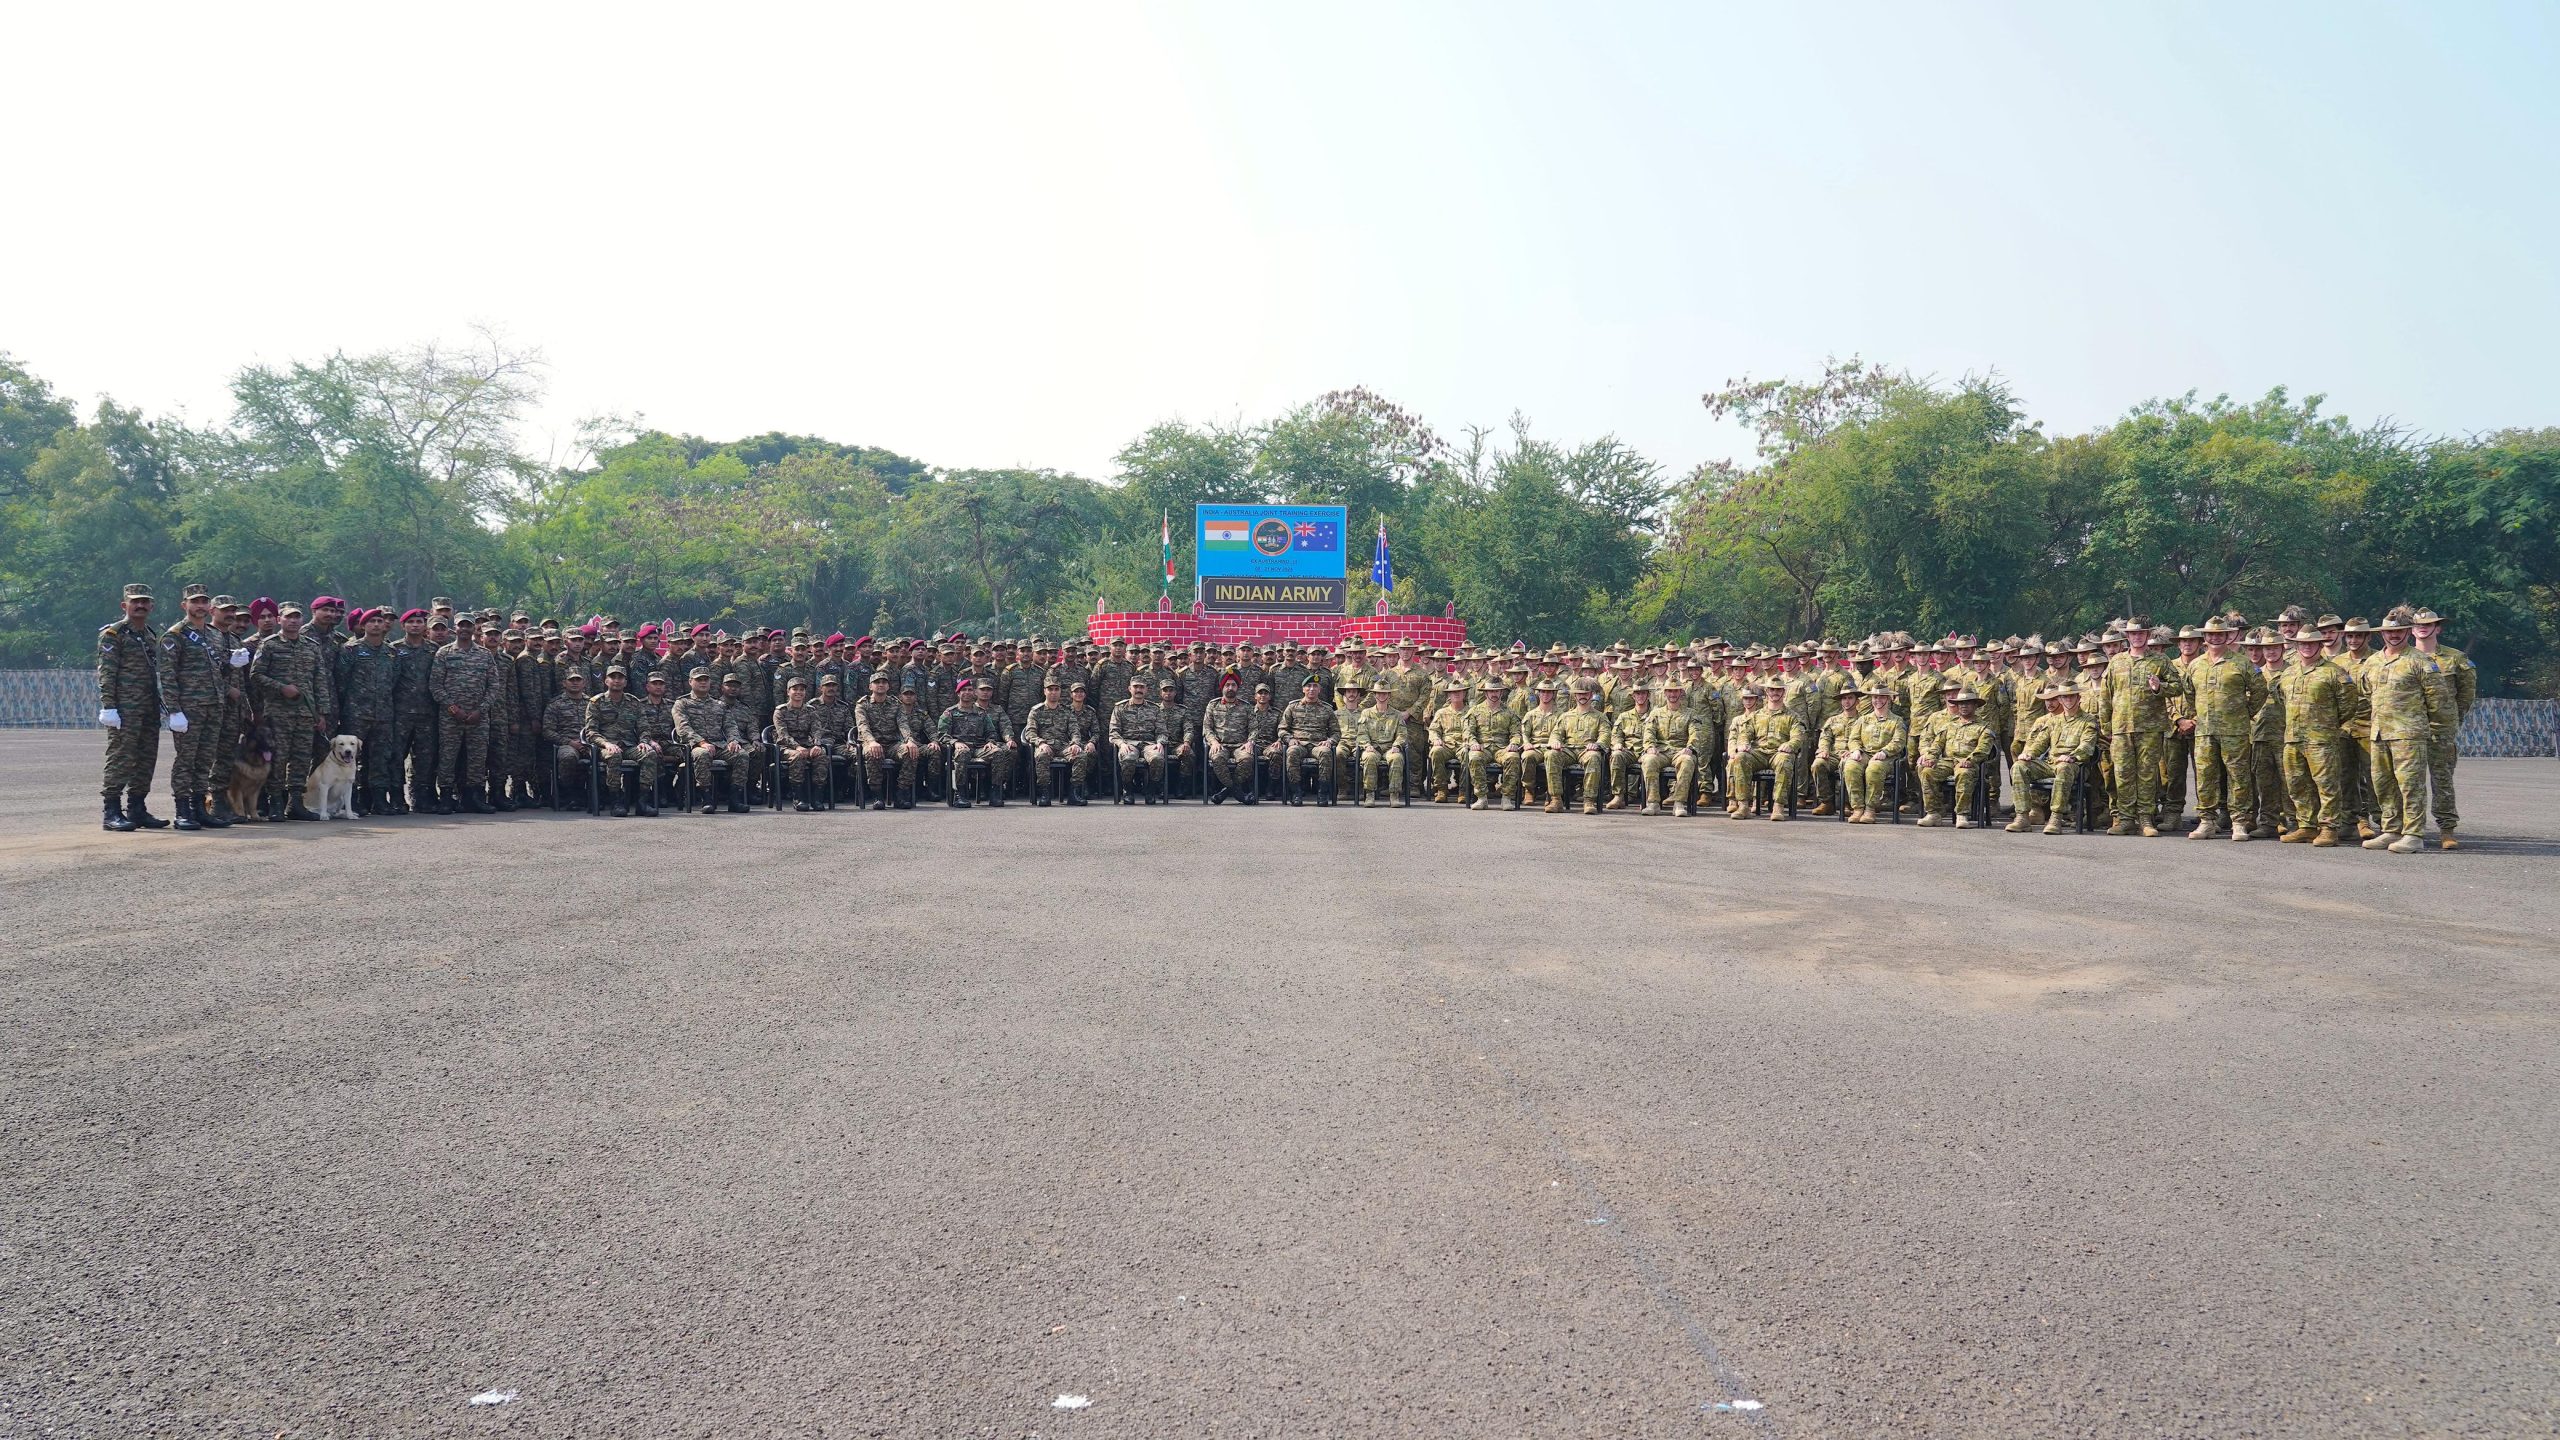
132,676
1054,730
2407,704
233,623
536,679
2221,716
462,682
564,727
2351,653
2139,686
323,632
2266,738
195,668
368,675
286,673
2457,683
2319,697
413,710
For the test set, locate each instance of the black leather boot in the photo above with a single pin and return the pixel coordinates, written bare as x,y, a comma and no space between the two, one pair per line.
300,811
113,818
186,808
223,815
140,814
213,812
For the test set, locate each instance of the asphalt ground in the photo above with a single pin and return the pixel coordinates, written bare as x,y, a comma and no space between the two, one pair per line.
1270,1122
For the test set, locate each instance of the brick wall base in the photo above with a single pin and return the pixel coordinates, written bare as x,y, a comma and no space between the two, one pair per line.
1152,627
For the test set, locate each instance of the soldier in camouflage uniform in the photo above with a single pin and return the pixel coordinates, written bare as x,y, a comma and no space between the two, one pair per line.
835,724
1226,730
2319,697
1055,730
1310,731
2407,707
413,714
564,727
618,728
2056,750
803,749
463,684
1675,737
1873,749
232,623
2220,711
287,673
707,736
1956,754
368,676
132,672
1448,735
973,730
1137,739
883,727
1377,730
2457,683
1766,738
2139,687
195,670
1582,738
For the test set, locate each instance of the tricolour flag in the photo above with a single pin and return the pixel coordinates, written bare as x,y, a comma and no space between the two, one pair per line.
1225,535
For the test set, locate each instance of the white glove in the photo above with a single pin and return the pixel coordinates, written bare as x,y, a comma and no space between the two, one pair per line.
111,719
239,656
177,722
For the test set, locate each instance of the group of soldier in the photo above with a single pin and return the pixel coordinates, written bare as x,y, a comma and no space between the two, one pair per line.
2298,730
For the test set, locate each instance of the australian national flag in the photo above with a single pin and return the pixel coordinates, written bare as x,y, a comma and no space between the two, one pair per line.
1321,537
1382,570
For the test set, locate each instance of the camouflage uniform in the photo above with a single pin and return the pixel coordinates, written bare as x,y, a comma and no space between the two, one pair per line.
1581,737
1884,741
563,729
1311,730
883,722
368,674
2135,701
707,732
132,681
1493,738
2406,710
2318,699
2226,692
1675,737
1048,730
414,712
196,672
296,661
1137,737
2057,749
626,720
1379,732
2456,682
465,679
974,732
1226,728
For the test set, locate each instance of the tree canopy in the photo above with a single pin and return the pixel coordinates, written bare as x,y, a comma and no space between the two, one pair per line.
1876,499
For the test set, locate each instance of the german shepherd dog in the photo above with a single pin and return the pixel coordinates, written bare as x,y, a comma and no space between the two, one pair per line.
249,770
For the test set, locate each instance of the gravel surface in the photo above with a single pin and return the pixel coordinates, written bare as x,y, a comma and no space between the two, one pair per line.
1270,1122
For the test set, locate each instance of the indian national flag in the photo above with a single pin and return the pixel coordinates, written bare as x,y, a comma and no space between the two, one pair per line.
1224,534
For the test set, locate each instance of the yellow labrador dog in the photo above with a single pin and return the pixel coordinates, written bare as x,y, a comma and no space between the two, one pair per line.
331,790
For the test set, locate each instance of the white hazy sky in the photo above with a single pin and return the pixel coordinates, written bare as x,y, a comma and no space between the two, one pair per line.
997,234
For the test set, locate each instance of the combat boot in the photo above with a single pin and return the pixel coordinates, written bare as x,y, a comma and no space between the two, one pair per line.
1075,794
1778,814
2448,842
2326,839
647,805
300,811
2241,832
505,796
2150,831
1403,801
737,795
140,814
1555,805
2295,836
2379,840
1440,796
2020,823
1650,808
2206,828
1931,821
1511,802
113,818
212,812
1683,810
2364,829
1825,808
1616,802
2053,825
2406,845
186,811
1477,804
2121,827
222,812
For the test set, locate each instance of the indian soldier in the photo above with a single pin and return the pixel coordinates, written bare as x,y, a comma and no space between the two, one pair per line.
884,726
835,723
973,730
462,683
2457,683
1226,729
1137,740
1312,732
327,611
2319,697
1180,735
1054,731
132,690
2406,708
286,673
617,729
564,727
803,753
708,737
367,685
196,667
415,712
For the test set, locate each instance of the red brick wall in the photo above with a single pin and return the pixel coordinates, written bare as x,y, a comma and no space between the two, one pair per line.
1149,627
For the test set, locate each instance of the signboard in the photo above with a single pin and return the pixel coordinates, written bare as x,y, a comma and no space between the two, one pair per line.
1270,559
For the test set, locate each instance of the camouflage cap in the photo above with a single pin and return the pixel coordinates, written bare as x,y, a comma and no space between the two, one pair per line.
612,670
698,672
832,678
137,591
731,679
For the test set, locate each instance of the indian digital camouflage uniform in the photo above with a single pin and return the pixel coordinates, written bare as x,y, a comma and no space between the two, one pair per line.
1049,730
195,673
414,711
463,678
368,677
132,671
624,719
884,721
290,662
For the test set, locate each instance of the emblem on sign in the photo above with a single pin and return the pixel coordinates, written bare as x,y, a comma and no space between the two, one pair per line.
1271,536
